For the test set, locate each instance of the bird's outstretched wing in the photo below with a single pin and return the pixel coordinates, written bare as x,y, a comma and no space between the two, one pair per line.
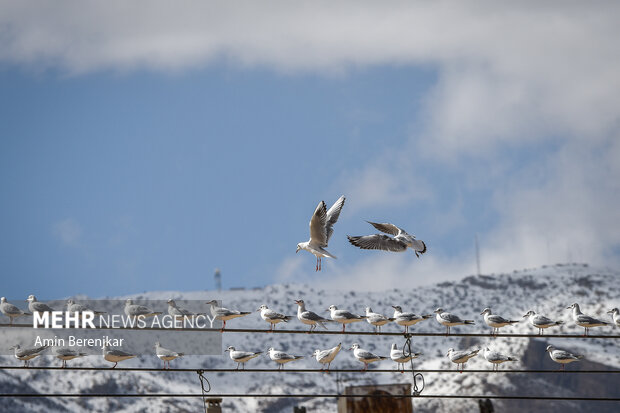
387,228
378,242
332,216
318,223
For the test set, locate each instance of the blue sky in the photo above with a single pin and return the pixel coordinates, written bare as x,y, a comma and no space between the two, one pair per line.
144,168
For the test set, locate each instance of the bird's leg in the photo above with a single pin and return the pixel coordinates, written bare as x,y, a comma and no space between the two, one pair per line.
343,326
115,364
317,264
223,326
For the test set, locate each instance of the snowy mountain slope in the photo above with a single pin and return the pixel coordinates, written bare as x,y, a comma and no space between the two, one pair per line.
547,290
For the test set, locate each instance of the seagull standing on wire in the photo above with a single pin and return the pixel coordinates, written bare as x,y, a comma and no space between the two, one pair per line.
272,317
115,356
27,354
224,314
449,320
496,358
11,310
461,356
65,354
399,242
321,230
344,317
365,356
495,321
562,357
180,313
327,356
407,319
36,306
399,356
281,357
376,319
135,310
241,357
73,307
615,316
540,321
583,320
309,317
166,355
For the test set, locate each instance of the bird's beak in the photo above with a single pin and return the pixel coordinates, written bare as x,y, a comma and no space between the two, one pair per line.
525,315
610,311
350,348
569,307
297,250
482,313
393,306
258,310
328,310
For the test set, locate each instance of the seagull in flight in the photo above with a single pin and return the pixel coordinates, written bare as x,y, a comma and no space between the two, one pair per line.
321,230
398,242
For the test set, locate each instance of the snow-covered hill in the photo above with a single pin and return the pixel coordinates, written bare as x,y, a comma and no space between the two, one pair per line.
548,290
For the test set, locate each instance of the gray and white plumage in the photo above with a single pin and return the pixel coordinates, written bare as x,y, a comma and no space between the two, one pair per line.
166,355
495,321
11,310
584,320
224,314
399,241
65,354
309,317
28,353
327,356
36,306
376,319
73,307
407,319
562,357
460,357
179,312
344,317
115,356
281,357
136,310
496,358
241,357
540,321
615,316
272,317
321,230
449,319
400,357
365,356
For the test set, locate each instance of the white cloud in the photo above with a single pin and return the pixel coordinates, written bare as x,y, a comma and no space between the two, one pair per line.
68,231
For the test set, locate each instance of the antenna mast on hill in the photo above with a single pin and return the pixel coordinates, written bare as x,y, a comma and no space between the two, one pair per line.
477,255
218,279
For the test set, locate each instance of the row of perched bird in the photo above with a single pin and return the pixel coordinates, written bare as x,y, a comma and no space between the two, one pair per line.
344,317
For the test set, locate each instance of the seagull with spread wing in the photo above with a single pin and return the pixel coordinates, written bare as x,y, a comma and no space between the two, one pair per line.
398,242
321,230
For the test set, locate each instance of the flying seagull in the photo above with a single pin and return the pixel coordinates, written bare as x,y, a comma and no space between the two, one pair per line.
321,230
399,241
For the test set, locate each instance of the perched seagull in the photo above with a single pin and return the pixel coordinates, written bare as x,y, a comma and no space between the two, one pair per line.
10,310
224,314
36,306
365,356
377,319
73,307
27,354
399,356
495,321
540,321
561,356
461,356
343,316
449,320
496,358
321,230
309,317
327,356
585,321
615,316
241,357
180,313
281,357
115,356
398,243
407,319
165,354
65,354
135,310
272,317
